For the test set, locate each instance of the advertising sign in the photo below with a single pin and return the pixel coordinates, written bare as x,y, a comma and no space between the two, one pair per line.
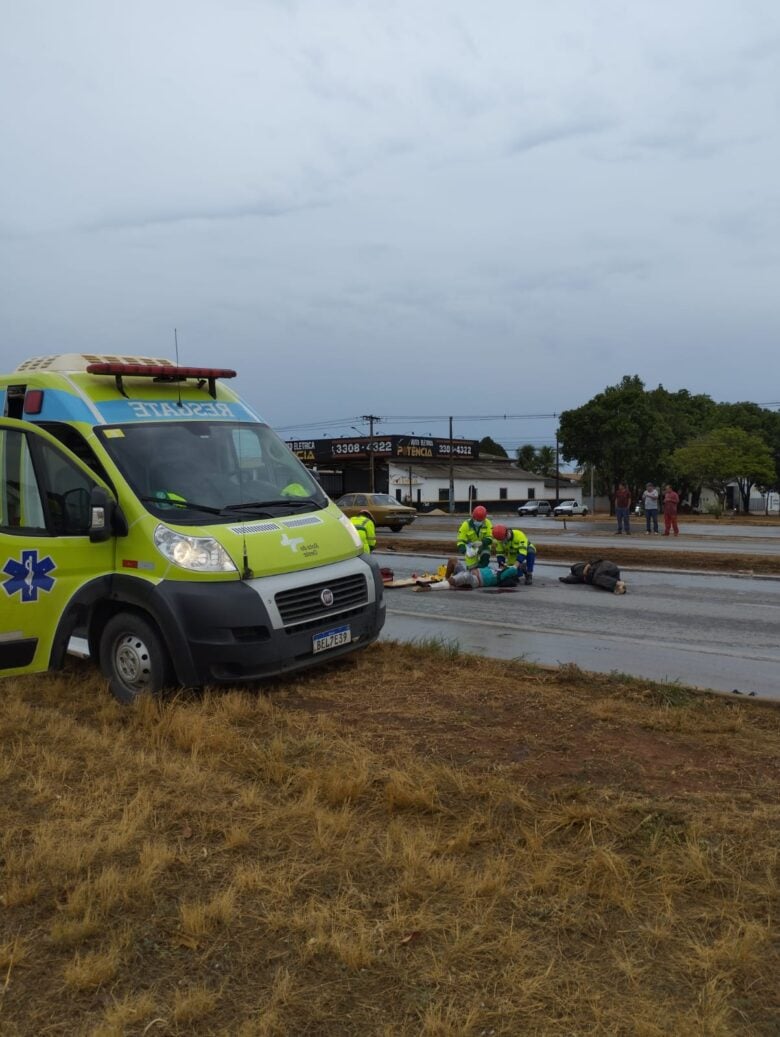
360,448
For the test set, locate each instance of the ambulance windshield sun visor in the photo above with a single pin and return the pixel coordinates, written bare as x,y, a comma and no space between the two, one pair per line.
226,467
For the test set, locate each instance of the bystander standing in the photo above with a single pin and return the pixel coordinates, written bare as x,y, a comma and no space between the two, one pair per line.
623,509
650,503
671,500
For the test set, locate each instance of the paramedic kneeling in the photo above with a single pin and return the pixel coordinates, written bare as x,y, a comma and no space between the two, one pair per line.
513,548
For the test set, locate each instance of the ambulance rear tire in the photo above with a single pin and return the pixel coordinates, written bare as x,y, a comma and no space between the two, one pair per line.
133,657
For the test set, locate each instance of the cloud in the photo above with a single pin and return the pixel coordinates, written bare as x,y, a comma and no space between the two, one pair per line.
435,181
269,209
557,131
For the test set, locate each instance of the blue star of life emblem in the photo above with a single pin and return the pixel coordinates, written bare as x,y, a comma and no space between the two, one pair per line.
29,576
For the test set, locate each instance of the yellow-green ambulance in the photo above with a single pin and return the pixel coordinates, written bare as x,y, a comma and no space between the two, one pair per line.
148,511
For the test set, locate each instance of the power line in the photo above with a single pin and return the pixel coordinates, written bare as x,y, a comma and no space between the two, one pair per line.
466,417
396,419
325,423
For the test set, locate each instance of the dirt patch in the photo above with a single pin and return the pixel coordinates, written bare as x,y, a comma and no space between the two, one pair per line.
550,727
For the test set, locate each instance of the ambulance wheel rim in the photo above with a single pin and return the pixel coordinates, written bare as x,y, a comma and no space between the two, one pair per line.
133,662
134,657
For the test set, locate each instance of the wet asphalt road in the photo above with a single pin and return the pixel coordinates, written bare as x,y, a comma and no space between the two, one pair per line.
707,631
712,537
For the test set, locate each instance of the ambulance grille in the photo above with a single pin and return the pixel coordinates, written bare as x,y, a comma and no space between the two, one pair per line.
304,603
276,527
256,527
306,520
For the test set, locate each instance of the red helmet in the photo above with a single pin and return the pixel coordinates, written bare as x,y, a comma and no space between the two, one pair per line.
500,532
479,514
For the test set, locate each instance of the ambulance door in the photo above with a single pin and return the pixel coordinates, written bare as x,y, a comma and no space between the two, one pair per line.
46,554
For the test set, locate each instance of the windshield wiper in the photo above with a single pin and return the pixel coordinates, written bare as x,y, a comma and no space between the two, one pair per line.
184,505
277,502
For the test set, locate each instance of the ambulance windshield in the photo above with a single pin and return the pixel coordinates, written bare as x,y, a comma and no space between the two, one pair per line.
207,469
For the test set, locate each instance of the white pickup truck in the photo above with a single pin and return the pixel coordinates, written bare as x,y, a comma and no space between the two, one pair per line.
570,507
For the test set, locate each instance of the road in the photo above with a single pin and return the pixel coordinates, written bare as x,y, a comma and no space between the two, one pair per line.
710,537
707,631
702,630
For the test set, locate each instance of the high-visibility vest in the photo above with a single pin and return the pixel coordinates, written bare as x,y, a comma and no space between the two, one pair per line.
367,530
473,539
515,546
294,489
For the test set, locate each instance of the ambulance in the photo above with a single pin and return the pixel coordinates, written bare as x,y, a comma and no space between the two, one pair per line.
148,514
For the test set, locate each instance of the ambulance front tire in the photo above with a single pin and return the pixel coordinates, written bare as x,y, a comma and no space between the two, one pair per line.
133,657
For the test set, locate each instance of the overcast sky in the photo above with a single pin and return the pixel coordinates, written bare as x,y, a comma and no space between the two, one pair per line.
421,207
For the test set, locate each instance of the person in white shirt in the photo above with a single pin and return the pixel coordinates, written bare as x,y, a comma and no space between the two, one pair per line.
650,503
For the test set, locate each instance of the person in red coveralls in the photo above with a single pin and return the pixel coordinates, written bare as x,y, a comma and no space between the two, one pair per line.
671,500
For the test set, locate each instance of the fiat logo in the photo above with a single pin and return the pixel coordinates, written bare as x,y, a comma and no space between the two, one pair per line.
327,597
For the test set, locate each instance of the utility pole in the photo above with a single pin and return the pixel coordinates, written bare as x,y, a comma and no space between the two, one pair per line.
371,418
451,501
557,471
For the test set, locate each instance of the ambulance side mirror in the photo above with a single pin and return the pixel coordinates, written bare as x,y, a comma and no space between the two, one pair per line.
106,518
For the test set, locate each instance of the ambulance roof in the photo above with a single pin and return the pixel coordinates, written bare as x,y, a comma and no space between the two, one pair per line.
78,361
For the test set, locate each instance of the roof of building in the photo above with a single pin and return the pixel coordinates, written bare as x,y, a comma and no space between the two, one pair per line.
470,470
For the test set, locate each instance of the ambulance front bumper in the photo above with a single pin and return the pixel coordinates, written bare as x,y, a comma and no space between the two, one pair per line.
228,633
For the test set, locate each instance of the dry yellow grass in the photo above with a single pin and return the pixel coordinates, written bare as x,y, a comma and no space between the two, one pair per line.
405,843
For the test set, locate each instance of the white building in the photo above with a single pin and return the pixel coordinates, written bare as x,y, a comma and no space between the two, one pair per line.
760,503
492,483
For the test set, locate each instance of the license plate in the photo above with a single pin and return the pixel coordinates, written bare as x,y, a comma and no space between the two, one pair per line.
331,639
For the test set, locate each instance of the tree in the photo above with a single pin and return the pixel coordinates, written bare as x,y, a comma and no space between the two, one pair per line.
622,432
526,457
754,419
539,460
489,446
724,455
592,476
546,461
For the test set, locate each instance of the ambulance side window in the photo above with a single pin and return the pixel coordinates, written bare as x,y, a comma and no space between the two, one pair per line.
75,442
21,508
66,490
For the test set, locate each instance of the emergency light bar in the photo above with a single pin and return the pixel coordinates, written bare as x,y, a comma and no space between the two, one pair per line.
162,373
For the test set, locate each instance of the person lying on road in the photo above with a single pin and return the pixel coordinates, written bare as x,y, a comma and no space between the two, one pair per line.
479,576
600,573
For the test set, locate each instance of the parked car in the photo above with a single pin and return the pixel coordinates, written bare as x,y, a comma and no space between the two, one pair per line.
569,508
535,507
385,510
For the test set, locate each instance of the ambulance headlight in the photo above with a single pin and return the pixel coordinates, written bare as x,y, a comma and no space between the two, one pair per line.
201,554
351,529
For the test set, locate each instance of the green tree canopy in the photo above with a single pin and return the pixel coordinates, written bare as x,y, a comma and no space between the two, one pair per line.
630,434
623,432
539,460
526,457
754,419
601,487
718,457
545,461
489,446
